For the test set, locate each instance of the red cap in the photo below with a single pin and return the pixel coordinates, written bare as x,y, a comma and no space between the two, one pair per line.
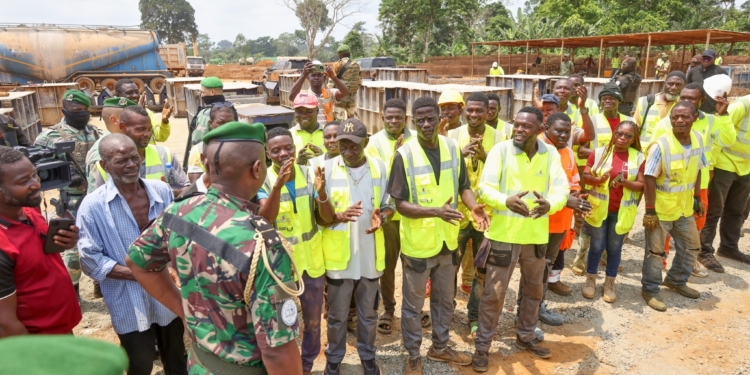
306,99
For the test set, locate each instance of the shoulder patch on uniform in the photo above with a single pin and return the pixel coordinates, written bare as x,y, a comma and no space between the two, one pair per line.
289,312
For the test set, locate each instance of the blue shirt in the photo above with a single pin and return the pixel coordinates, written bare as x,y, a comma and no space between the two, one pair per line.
262,194
107,228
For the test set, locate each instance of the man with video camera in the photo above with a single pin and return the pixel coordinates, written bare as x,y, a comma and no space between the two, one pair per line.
73,127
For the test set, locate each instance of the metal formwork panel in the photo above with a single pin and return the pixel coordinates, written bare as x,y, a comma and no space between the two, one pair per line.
523,88
176,95
402,74
49,98
286,81
24,108
234,92
595,86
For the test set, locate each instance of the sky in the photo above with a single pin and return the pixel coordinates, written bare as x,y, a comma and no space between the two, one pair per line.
220,20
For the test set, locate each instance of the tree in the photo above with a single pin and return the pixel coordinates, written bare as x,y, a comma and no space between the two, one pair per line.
575,16
241,45
286,44
321,16
173,20
224,45
205,46
264,46
354,40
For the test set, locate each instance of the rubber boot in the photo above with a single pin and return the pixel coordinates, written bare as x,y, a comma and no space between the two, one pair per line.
589,289
608,290
579,264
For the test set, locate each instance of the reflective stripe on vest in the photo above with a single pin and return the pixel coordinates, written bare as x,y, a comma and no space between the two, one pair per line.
599,195
336,240
675,186
506,150
603,133
645,128
740,147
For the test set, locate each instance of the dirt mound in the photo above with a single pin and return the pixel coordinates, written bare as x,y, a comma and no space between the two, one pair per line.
264,63
235,71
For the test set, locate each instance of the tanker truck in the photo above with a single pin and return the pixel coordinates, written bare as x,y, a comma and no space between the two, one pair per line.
94,57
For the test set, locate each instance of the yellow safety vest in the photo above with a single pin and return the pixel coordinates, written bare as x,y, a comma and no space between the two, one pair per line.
737,157
298,224
578,121
599,195
302,137
423,238
490,138
675,186
380,147
615,63
496,71
603,131
336,242
648,121
156,158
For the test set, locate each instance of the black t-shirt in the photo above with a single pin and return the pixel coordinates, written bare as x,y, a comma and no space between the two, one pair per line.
398,188
698,75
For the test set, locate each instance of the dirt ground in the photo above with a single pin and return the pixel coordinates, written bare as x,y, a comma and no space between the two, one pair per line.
710,335
237,71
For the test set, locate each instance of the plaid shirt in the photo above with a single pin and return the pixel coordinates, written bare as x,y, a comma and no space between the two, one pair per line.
107,228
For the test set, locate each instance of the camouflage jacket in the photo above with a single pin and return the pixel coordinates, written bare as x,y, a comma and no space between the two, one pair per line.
217,318
84,139
201,123
351,77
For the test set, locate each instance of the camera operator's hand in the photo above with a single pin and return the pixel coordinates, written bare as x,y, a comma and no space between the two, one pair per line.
67,239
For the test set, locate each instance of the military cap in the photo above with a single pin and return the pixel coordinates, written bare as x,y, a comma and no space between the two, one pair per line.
211,83
118,102
77,96
62,355
236,131
343,48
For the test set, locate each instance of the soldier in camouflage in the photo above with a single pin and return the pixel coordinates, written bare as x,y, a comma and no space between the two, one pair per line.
212,91
73,127
240,312
349,71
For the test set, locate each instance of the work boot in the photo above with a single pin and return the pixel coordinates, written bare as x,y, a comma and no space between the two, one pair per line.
711,263
683,289
589,289
559,288
332,368
480,361
699,270
736,255
550,317
413,366
447,354
534,347
654,302
579,264
371,367
608,290
97,290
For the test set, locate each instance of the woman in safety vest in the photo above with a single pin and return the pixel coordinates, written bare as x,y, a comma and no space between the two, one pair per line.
615,173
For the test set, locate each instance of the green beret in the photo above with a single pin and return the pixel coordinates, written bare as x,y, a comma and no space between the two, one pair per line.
211,83
118,102
238,131
77,96
343,48
62,355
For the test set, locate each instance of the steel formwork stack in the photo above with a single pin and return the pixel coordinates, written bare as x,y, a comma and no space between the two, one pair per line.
176,94
401,74
24,108
234,92
286,81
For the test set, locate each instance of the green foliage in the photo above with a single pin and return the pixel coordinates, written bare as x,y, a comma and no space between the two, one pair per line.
173,20
354,40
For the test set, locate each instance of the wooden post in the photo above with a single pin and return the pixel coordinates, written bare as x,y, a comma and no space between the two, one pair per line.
472,59
708,39
498,55
510,56
731,47
682,61
562,50
601,55
526,68
648,53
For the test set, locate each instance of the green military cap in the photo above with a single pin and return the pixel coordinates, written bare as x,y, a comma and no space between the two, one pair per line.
343,48
236,131
211,83
118,102
77,96
61,355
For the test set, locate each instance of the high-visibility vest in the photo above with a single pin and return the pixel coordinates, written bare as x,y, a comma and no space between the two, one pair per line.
326,101
298,224
496,71
599,195
490,138
648,120
593,108
603,131
156,159
380,147
337,242
737,157
615,63
675,186
423,238
302,137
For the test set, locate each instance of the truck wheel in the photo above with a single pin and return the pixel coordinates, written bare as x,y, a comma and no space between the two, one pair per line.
156,84
109,83
85,83
139,82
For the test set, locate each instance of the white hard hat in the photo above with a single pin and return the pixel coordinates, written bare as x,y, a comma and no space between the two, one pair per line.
494,64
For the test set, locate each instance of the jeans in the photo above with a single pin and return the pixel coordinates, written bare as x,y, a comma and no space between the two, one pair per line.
464,235
686,243
140,349
392,253
727,194
365,292
605,238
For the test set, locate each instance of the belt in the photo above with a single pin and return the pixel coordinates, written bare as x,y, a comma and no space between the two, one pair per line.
217,366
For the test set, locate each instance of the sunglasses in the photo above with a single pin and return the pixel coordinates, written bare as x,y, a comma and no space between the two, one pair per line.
623,135
706,58
223,104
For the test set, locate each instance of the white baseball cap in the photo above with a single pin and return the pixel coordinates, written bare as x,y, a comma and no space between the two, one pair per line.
494,64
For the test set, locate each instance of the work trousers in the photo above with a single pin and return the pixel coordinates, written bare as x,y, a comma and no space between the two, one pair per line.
495,287
553,249
441,269
392,253
365,292
464,235
312,306
727,194
139,347
686,243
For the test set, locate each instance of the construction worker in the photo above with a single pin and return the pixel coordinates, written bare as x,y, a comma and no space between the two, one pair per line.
718,132
316,74
308,132
523,181
252,332
354,244
218,115
653,107
296,199
496,70
493,116
589,62
615,173
428,176
474,139
74,126
708,68
126,88
566,66
672,194
727,192
348,71
615,62
628,81
718,60
694,61
451,104
383,145
329,142
592,109
663,66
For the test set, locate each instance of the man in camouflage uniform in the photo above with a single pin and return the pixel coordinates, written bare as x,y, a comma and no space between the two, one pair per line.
73,127
231,332
212,91
349,71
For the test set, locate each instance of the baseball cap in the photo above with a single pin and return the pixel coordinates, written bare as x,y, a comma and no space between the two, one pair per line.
353,130
305,99
709,53
550,98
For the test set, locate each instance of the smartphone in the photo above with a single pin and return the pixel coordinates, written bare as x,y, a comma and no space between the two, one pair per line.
318,68
55,225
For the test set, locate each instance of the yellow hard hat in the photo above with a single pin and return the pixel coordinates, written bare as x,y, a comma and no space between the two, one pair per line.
451,96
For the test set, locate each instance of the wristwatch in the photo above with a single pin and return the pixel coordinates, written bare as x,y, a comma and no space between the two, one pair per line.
383,218
586,111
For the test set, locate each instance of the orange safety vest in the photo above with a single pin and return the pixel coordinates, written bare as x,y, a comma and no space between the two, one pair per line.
561,221
327,102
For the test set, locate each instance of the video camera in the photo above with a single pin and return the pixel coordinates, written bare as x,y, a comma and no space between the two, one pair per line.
52,174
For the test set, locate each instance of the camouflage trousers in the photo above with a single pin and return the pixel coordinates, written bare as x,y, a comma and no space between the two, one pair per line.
343,111
70,257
